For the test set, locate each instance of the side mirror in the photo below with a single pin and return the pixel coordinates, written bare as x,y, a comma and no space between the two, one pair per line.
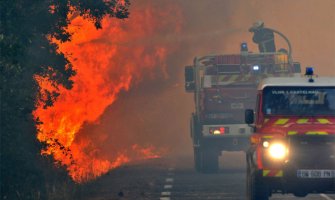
249,116
189,79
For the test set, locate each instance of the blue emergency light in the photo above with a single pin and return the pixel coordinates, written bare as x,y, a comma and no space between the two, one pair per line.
309,71
244,46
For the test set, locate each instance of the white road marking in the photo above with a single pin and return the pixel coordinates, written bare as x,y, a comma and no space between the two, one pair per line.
170,180
166,194
167,186
326,197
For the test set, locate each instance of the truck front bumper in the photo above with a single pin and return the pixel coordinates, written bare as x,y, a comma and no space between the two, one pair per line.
310,167
227,143
234,137
287,181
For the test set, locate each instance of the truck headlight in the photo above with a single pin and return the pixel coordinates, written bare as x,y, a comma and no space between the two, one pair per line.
277,151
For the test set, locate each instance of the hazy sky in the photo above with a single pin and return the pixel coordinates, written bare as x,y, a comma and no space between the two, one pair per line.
157,110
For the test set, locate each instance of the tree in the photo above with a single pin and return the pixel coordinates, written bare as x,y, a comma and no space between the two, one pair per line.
25,31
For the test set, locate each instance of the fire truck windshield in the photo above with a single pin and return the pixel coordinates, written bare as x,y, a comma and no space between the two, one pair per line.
299,101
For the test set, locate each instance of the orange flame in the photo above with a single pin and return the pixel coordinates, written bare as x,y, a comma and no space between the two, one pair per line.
107,61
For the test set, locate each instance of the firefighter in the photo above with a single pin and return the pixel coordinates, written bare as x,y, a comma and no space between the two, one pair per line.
263,37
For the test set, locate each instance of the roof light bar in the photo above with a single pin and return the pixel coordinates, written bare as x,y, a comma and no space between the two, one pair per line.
309,71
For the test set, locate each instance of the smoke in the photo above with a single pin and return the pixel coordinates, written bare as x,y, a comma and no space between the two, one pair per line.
218,27
136,69
157,110
222,25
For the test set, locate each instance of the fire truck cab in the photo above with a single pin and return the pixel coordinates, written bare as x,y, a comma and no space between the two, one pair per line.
293,142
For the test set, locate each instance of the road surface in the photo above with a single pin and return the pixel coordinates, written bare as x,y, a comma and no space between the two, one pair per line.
175,179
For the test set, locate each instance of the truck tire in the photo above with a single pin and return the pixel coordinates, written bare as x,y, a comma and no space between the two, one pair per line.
210,161
256,189
197,159
195,130
205,160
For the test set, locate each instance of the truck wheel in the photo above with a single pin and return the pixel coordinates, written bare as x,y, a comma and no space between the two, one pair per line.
197,159
205,161
256,189
209,161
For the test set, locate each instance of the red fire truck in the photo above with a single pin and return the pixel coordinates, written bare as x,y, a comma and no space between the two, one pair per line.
293,144
223,87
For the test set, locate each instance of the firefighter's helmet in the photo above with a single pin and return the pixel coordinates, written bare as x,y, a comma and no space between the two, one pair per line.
257,25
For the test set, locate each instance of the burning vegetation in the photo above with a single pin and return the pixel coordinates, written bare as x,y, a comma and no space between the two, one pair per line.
106,61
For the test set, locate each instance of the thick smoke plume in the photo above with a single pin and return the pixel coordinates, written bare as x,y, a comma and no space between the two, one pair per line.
159,110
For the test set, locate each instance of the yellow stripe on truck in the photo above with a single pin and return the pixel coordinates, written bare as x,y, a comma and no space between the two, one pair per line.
272,173
316,133
324,121
266,172
302,121
280,173
292,133
281,121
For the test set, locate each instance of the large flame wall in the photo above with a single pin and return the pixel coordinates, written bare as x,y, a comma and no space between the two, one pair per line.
107,62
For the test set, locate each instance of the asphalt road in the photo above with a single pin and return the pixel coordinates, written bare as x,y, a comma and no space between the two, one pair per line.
175,179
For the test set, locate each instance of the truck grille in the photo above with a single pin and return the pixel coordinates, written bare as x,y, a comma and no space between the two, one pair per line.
312,152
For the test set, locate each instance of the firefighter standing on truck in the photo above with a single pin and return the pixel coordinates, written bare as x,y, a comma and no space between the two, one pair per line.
263,37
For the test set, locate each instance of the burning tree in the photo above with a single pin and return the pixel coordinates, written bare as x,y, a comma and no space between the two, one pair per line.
107,62
26,53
